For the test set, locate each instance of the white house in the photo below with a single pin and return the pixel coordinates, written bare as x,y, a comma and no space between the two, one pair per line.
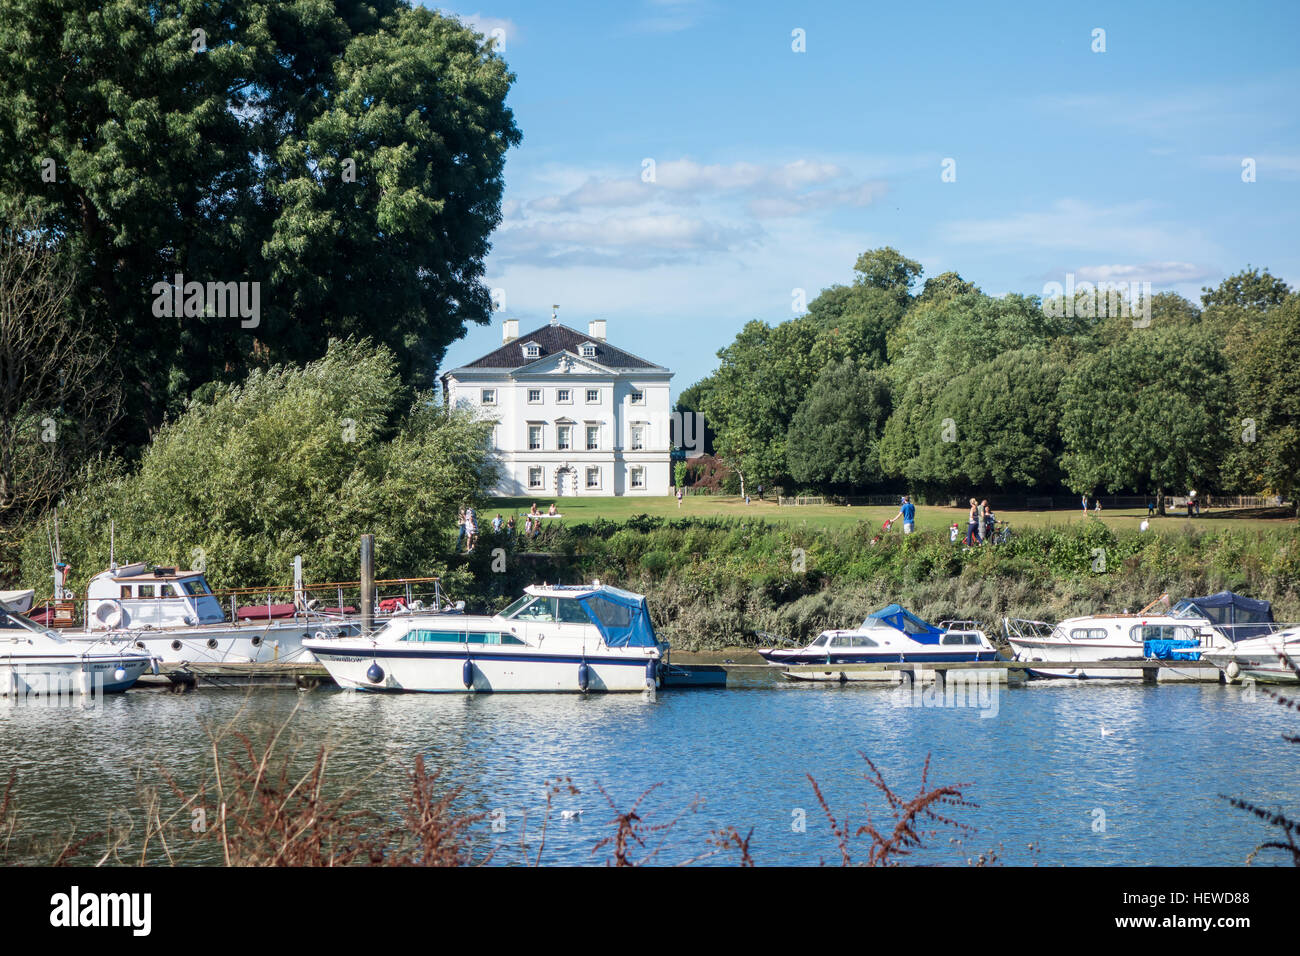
575,415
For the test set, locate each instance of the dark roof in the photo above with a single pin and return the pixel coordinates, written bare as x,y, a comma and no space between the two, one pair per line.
552,339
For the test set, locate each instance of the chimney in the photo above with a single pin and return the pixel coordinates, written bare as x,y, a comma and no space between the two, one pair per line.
509,331
596,329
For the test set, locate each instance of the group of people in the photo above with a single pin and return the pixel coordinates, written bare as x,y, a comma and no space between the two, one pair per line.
980,523
467,537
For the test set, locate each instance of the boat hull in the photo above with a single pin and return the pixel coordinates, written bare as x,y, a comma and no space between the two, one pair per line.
786,658
508,670
58,676
278,642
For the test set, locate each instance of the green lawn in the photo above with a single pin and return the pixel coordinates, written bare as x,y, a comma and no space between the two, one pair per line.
830,516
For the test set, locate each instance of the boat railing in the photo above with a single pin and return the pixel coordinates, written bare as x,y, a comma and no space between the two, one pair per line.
321,601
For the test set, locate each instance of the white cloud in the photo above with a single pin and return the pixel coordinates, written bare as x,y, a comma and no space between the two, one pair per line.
1157,273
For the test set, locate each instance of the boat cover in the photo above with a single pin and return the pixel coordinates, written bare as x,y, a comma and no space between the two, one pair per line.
1170,650
621,616
1247,617
896,616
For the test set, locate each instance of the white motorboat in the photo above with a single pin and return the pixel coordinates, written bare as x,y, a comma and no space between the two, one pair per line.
173,615
1273,658
889,635
1180,634
554,638
36,661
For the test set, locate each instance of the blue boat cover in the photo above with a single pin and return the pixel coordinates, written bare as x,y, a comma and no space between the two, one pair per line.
621,616
895,615
1169,650
1244,617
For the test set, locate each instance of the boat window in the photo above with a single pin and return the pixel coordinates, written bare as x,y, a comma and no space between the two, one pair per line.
861,640
1088,634
195,586
972,638
541,609
610,614
571,612
144,590
841,641
424,636
126,590
1145,632
821,641
167,591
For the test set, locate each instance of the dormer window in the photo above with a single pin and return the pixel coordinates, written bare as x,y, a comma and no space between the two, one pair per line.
532,350
588,350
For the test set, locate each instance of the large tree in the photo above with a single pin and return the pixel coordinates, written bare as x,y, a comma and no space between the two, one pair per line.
346,155
1264,354
1149,413
833,436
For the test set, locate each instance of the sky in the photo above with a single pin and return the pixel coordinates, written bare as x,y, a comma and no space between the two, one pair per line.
686,168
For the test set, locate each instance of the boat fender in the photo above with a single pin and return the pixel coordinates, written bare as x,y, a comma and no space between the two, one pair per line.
1233,670
119,674
584,676
467,674
651,673
375,673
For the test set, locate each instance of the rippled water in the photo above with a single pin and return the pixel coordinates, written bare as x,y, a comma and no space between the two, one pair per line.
1041,770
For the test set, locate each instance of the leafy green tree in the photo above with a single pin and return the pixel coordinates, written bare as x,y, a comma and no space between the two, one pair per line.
346,155
1248,289
946,285
1264,355
887,268
1147,413
832,438
295,460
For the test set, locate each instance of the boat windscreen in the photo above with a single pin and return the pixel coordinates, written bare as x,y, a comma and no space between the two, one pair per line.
897,616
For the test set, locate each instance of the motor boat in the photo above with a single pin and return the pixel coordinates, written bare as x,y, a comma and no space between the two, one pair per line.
555,638
173,615
889,635
1154,633
1272,658
36,661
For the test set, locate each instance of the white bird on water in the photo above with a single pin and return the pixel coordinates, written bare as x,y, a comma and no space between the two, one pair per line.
570,814
1105,732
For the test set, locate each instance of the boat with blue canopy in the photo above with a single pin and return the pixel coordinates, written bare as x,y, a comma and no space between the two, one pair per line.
555,638
889,635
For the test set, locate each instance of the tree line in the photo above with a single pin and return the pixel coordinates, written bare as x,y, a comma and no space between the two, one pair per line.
889,381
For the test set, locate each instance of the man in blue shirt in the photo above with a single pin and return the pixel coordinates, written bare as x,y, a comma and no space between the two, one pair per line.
908,513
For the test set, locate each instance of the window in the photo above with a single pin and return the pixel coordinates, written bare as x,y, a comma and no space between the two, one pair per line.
534,437
638,437
638,397
535,477
532,350
593,396
459,637
593,477
610,614
564,437
821,641
167,591
588,350
126,590
1088,634
540,610
564,396
638,477
593,437
489,396
195,586
144,591
571,612
534,396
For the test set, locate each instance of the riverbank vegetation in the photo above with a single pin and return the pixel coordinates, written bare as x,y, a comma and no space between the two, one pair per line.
723,582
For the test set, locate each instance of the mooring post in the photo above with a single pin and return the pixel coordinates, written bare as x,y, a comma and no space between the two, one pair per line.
367,582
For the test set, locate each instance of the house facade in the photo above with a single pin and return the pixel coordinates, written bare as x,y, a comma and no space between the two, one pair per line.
574,414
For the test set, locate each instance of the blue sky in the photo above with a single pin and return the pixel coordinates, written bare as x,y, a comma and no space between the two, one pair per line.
773,168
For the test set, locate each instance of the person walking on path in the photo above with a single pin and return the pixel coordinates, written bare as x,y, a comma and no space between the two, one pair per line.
679,499
1084,499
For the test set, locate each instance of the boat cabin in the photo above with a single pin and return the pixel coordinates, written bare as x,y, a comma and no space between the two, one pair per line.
137,596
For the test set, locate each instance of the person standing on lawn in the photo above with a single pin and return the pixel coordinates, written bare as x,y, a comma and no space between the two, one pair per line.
906,511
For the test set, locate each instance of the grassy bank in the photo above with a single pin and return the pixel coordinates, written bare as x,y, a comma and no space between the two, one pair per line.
715,582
